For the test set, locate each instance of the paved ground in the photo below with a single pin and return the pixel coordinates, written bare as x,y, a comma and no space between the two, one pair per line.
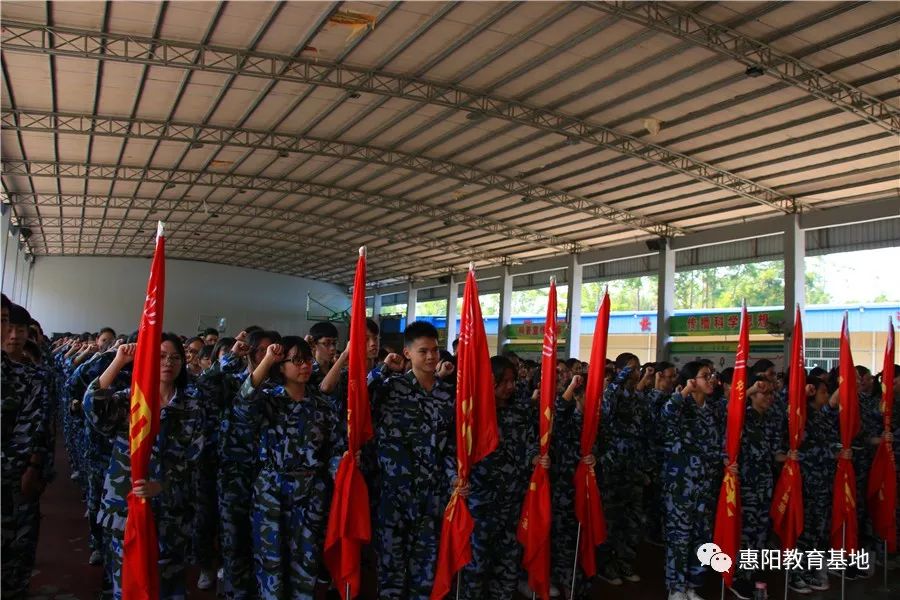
62,571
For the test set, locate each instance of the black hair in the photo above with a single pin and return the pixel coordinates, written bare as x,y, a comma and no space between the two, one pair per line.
206,351
499,366
623,359
709,363
689,371
861,370
510,355
190,341
754,378
132,338
323,329
258,335
222,342
210,331
7,303
762,365
18,315
418,330
727,375
444,355
372,326
288,343
815,382
572,362
182,379
455,343
106,330
33,349
251,328
662,366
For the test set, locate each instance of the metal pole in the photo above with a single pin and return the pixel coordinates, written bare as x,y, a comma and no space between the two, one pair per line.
575,565
885,565
723,589
458,579
786,575
347,591
844,570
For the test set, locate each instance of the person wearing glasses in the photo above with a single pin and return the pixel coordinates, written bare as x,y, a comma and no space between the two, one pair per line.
694,434
297,432
178,451
664,376
323,341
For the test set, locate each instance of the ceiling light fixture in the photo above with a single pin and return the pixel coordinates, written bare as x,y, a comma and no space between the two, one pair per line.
355,95
475,116
571,140
196,145
283,154
169,186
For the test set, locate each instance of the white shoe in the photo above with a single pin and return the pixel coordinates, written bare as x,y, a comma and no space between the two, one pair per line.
96,558
678,596
693,595
554,591
204,582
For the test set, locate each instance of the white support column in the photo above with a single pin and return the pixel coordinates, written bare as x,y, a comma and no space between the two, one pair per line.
452,295
505,318
794,277
574,274
376,307
412,295
666,299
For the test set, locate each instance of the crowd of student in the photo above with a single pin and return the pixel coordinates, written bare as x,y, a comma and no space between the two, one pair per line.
252,429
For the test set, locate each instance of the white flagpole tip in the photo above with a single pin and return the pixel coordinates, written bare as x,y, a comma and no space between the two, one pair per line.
553,280
362,251
471,265
160,229
606,291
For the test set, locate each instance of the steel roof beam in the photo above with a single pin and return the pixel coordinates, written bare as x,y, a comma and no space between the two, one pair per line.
753,53
41,121
291,186
33,38
275,215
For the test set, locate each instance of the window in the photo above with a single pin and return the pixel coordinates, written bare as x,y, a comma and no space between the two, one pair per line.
822,352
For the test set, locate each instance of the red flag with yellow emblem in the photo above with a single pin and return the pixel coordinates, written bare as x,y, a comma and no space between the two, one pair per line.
349,525
140,556
787,500
476,435
843,505
882,490
727,533
588,505
534,524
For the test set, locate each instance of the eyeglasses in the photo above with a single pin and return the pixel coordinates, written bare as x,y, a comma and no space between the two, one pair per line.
297,361
169,358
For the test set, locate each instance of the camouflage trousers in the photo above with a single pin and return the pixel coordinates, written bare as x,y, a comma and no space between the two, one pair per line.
288,533
564,532
234,496
173,538
406,542
623,504
689,512
756,500
496,554
20,526
94,479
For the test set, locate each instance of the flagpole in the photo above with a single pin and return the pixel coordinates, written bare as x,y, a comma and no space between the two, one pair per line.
575,566
885,566
844,570
723,589
786,575
458,573
347,591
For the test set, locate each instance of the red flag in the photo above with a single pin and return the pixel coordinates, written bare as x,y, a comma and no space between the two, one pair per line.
534,525
476,434
140,556
787,501
349,526
843,507
588,506
882,491
727,533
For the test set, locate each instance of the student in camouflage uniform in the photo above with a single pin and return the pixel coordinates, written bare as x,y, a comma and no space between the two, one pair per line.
414,447
323,340
694,430
24,458
817,452
237,464
498,483
664,384
624,464
177,454
864,446
297,429
761,446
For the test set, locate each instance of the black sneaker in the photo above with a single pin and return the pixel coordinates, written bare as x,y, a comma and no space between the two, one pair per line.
628,574
796,583
610,575
742,589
